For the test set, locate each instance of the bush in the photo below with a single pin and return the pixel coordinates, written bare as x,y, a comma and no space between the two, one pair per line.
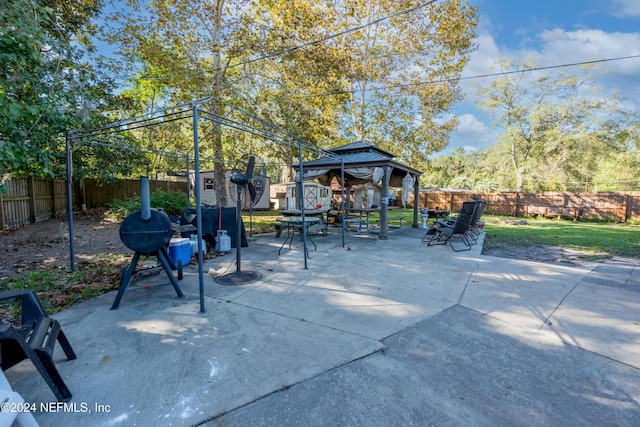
172,202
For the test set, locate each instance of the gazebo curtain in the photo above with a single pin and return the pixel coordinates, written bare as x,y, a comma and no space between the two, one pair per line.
353,176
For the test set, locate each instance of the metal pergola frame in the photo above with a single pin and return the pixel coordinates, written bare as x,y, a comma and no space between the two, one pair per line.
191,110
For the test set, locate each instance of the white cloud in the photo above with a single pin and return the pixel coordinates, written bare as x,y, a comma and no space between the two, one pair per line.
484,59
550,47
627,8
562,47
472,134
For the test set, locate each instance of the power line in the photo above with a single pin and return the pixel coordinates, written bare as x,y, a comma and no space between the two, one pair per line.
301,46
333,36
479,76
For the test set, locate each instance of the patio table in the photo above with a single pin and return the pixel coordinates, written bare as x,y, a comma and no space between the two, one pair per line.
296,222
364,213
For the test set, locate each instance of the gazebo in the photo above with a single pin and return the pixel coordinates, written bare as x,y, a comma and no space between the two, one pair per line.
362,162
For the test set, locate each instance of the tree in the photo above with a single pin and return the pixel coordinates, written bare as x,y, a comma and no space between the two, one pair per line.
549,122
249,54
184,48
400,73
45,87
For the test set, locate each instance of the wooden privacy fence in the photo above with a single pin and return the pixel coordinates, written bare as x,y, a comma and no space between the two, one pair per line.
619,206
31,200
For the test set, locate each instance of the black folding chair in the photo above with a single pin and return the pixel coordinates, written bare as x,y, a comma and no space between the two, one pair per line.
34,340
441,232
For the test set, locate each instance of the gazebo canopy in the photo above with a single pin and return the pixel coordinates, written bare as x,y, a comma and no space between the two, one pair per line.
363,162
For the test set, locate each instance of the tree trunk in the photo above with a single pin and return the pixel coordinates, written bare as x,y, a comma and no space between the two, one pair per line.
519,180
219,169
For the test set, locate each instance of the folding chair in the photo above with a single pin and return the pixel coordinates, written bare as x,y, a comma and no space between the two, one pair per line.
34,340
473,233
441,232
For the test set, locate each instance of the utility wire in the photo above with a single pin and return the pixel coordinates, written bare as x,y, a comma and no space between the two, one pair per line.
479,76
301,46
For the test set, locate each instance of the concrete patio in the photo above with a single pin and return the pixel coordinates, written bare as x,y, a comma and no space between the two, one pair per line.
376,333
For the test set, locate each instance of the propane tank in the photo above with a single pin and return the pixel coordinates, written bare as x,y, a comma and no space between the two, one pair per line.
194,245
223,241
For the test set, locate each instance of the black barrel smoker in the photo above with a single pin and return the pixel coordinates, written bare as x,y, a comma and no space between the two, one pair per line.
147,232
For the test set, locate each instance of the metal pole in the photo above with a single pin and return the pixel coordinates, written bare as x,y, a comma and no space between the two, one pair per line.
186,156
196,150
416,199
238,230
70,200
385,205
304,223
342,203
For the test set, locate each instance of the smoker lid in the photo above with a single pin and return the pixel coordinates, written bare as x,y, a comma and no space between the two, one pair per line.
148,236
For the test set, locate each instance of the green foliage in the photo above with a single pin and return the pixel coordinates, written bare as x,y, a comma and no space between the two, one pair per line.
555,132
58,288
488,170
172,202
188,49
45,88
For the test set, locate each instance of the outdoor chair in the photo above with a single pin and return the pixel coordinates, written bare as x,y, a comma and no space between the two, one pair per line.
34,340
441,232
13,400
473,232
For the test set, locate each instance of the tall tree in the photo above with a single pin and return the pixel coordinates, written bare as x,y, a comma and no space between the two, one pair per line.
46,87
398,61
286,61
549,122
185,45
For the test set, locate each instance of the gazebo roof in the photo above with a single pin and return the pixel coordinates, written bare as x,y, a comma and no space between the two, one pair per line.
356,155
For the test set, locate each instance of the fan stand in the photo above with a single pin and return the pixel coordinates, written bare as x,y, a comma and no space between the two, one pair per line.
239,277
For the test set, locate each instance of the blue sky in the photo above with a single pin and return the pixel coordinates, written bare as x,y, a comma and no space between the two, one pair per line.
553,32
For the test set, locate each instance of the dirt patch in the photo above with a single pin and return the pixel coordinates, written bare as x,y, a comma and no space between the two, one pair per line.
47,243
540,253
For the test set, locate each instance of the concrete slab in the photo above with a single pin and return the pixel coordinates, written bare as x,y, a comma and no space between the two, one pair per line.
600,319
163,363
352,296
458,368
522,293
616,273
372,333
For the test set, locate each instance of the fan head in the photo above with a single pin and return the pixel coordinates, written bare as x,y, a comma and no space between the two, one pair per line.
253,184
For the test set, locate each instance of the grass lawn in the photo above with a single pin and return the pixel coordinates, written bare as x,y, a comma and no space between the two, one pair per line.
603,238
610,239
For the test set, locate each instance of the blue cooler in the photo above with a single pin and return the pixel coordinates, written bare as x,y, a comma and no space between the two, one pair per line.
180,249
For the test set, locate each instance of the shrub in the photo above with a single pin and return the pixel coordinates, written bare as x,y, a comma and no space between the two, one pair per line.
172,202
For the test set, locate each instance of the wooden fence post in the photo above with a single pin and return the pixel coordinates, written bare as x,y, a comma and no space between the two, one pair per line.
627,208
32,199
2,224
53,198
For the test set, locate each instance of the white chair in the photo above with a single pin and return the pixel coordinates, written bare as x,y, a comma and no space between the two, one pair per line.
13,399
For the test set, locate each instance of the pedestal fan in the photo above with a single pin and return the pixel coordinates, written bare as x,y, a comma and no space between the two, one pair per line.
243,184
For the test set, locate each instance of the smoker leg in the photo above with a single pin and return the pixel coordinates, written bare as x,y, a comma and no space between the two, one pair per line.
164,258
125,279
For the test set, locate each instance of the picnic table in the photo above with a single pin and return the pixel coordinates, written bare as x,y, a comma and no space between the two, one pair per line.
364,215
293,223
321,225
